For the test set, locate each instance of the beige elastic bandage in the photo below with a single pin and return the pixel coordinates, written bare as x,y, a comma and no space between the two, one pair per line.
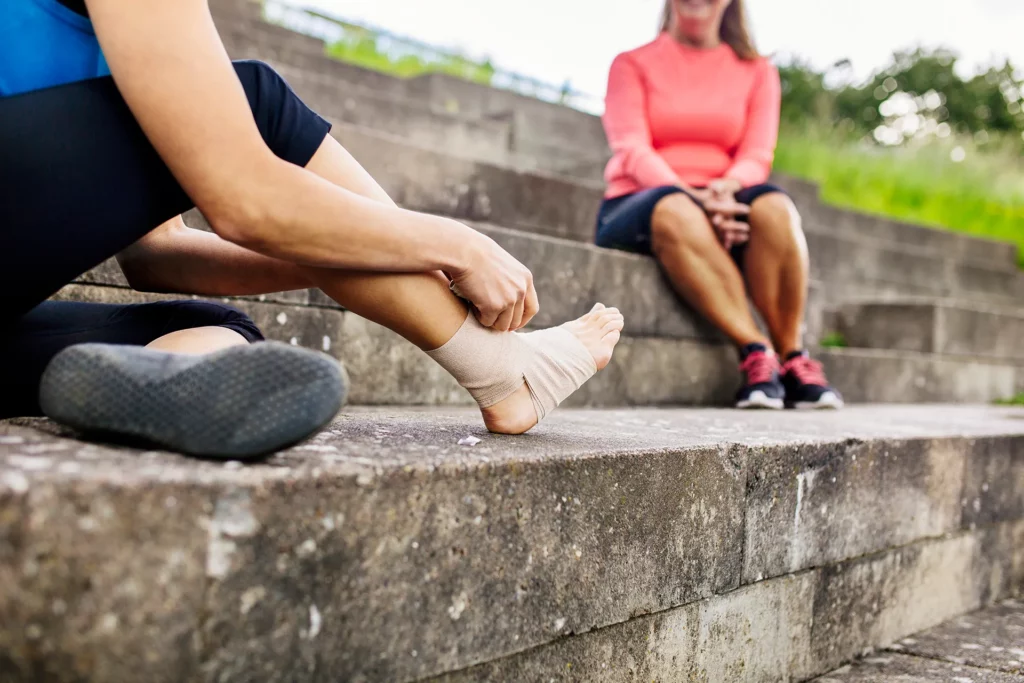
493,365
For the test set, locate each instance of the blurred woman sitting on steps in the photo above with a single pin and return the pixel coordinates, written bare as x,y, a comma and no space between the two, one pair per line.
692,119
93,166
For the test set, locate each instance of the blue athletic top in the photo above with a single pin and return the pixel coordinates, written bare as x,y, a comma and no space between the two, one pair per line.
43,44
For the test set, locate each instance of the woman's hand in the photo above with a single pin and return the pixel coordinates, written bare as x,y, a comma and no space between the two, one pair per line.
499,287
724,211
730,230
725,188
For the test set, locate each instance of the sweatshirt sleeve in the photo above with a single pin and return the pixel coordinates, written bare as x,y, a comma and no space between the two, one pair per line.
628,130
753,159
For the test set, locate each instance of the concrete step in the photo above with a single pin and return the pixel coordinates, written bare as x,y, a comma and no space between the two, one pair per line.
854,269
544,136
985,646
878,376
570,278
955,246
605,546
547,137
429,180
455,133
934,326
387,370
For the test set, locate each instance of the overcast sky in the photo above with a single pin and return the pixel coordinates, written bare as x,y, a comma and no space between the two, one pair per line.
557,40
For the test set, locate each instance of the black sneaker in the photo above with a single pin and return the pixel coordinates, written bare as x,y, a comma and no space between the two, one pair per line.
762,387
239,403
806,385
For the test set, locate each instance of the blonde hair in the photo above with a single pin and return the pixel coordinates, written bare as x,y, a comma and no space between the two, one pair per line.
735,30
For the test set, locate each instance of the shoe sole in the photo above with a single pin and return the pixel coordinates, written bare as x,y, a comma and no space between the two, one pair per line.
828,401
758,400
239,403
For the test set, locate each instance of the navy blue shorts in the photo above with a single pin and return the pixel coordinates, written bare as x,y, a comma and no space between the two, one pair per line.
625,222
52,326
80,182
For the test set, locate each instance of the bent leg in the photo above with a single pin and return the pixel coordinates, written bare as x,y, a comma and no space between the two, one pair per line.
700,268
422,309
51,327
776,267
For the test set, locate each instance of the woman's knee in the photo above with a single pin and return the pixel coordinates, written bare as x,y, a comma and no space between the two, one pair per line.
775,210
678,222
291,129
194,314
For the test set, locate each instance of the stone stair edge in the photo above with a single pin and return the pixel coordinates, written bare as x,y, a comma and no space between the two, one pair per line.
751,547
922,356
810,227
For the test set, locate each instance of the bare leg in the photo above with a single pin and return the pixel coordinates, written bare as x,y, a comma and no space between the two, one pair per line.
198,340
777,269
700,269
420,306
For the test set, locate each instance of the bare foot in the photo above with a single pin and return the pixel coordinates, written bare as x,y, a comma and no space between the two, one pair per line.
598,330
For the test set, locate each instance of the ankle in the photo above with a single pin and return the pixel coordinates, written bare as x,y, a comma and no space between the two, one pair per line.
746,348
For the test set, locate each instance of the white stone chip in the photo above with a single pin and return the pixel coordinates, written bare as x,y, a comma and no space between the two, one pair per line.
315,621
469,441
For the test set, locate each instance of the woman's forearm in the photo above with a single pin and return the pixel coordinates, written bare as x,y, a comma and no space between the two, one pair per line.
294,215
176,258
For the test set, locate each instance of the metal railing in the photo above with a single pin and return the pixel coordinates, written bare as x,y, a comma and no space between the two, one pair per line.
333,30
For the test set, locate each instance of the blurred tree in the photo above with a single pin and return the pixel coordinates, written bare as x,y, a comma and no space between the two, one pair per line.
919,83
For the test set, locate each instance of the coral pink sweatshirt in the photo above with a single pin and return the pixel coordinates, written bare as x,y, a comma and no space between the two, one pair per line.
678,113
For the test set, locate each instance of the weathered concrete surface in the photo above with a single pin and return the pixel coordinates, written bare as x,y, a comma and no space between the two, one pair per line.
890,667
571,277
782,629
107,581
758,633
994,485
427,180
410,120
423,556
934,326
819,217
870,602
806,507
992,638
875,376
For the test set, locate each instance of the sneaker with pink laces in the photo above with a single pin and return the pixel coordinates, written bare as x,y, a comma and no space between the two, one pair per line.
806,385
762,387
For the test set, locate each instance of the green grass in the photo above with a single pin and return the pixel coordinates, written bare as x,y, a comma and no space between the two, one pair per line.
982,196
363,51
1017,400
833,340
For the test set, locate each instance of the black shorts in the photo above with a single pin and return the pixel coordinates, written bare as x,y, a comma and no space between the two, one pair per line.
625,222
79,182
53,326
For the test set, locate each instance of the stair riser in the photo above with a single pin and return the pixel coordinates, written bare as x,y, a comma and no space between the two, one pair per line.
387,370
419,571
784,629
424,180
910,378
933,328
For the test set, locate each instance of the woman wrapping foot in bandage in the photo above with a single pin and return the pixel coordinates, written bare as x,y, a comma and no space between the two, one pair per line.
179,126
